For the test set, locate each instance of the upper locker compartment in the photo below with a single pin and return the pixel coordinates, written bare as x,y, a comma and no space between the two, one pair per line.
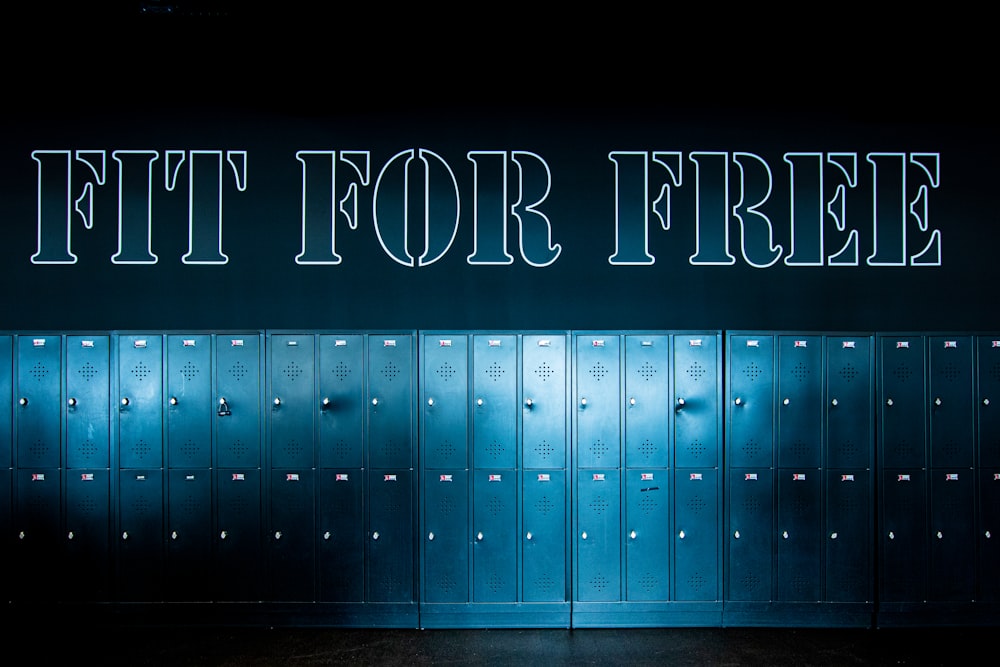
140,401
38,391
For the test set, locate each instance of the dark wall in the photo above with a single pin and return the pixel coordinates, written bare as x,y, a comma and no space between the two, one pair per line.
724,103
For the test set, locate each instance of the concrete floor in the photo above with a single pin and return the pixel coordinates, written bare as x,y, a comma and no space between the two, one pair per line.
232,647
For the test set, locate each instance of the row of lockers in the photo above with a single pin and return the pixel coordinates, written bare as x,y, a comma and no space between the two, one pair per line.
467,478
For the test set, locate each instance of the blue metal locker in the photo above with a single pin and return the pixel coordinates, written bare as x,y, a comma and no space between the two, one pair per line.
848,536
342,411
598,406
391,536
39,411
799,383
6,518
391,420
799,552
446,569
293,400
37,543
341,568
544,430
189,571
750,557
292,538
697,558
903,406
445,396
989,535
903,549
751,401
543,549
238,551
238,400
647,534
140,402
647,403
598,536
86,573
190,406
850,403
494,536
494,401
140,535
952,566
88,402
697,419
952,411
988,402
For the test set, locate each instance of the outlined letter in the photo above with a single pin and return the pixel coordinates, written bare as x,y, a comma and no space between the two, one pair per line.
322,205
57,180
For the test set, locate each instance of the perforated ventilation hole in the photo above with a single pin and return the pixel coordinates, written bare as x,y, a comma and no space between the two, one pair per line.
648,504
390,371
87,371
341,371
495,506
647,371
696,371
849,372
238,371
140,371
752,371
800,372
544,371
38,371
599,505
292,371
495,371
544,505
902,373
995,371
544,449
445,371
951,372
696,505
446,505
189,371
598,371
599,449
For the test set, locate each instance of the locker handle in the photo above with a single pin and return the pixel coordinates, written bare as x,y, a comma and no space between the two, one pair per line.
631,401
374,401
173,400
892,535
736,534
986,401
889,402
479,401
224,410
277,534
834,402
70,535
125,535
939,535
223,535
988,536
375,535
584,535
71,402
173,535
785,402
681,402
20,535
738,401
681,535
430,537
833,536
937,401
784,534
277,401
326,535
632,535
583,402
479,537
22,401
430,401
528,403
125,401
528,536
325,403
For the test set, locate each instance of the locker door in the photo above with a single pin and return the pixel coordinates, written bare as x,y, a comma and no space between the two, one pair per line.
800,401
903,538
952,536
445,400
696,401
39,411
951,408
494,536
848,536
543,378
988,402
293,401
598,401
446,536
647,403
390,401
751,520
696,535
494,404
903,403
544,544
190,406
238,553
989,535
647,534
390,533
341,570
800,546
293,535
598,536
87,402
85,574
140,538
342,392
6,525
237,401
189,535
37,534
751,401
140,402
6,393
849,403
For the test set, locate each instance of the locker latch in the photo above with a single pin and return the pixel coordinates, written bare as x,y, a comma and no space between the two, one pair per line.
224,410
